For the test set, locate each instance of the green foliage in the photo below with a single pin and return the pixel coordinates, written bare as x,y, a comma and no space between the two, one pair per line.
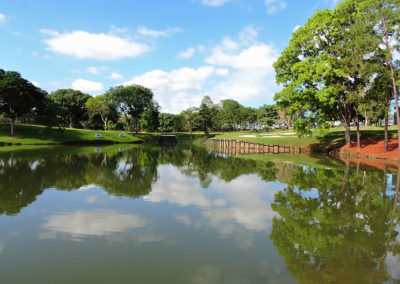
230,114
205,114
330,63
70,106
18,97
149,120
131,100
267,116
102,106
301,127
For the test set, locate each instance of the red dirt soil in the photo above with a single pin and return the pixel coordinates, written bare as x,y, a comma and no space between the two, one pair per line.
372,149
372,155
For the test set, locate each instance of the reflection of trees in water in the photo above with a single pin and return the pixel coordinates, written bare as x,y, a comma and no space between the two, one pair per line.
130,173
335,226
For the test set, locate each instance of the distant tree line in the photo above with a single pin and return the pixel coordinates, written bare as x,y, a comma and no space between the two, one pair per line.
131,108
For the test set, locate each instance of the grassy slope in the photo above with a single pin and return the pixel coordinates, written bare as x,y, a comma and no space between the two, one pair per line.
30,135
334,136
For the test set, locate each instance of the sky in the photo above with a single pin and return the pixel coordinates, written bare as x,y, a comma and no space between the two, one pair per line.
181,49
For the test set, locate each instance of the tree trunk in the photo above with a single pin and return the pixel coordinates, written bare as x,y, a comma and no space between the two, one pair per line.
396,100
12,126
386,131
70,124
358,130
347,132
366,118
105,124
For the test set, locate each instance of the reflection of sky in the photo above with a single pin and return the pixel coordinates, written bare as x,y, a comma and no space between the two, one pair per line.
237,208
90,223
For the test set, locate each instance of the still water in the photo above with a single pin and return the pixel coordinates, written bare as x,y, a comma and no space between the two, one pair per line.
145,214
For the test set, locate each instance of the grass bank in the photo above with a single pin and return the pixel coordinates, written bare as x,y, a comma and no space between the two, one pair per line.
39,135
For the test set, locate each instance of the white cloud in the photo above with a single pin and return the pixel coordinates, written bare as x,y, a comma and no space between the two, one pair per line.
222,72
115,76
144,31
2,18
177,89
188,53
240,69
253,77
87,86
94,70
256,56
214,3
274,6
36,84
296,28
101,46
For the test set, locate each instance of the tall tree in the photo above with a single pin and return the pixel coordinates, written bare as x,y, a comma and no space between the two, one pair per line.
230,113
101,105
385,15
149,119
71,106
191,116
323,70
267,116
132,100
18,96
205,113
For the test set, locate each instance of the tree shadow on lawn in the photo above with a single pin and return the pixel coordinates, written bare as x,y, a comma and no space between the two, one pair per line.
335,139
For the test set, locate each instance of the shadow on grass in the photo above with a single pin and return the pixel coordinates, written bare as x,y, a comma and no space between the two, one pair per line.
335,139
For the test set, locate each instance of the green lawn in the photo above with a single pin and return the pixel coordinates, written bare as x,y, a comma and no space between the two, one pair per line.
36,135
318,140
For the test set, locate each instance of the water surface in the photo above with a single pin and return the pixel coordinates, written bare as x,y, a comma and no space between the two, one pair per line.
145,214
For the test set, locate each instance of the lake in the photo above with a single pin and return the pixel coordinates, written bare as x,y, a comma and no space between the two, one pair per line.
150,214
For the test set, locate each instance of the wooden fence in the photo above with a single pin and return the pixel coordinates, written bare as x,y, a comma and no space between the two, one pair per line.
236,147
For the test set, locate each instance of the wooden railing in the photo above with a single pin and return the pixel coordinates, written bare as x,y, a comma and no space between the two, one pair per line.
236,147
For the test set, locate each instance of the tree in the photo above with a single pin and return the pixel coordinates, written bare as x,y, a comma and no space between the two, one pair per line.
267,116
385,17
132,100
191,116
205,114
71,106
101,105
167,121
18,96
230,113
149,119
317,71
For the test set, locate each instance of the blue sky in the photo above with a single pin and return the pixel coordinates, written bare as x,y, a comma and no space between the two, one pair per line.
181,49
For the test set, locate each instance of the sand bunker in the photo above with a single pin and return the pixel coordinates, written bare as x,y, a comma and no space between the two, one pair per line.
248,136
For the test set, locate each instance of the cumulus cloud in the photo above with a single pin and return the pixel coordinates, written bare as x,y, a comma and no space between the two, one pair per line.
274,6
188,53
94,70
240,69
251,61
144,31
2,18
115,76
87,86
214,3
178,89
222,72
100,46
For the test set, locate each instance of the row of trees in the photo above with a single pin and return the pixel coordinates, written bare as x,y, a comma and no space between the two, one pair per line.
120,107
341,66
131,108
227,115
